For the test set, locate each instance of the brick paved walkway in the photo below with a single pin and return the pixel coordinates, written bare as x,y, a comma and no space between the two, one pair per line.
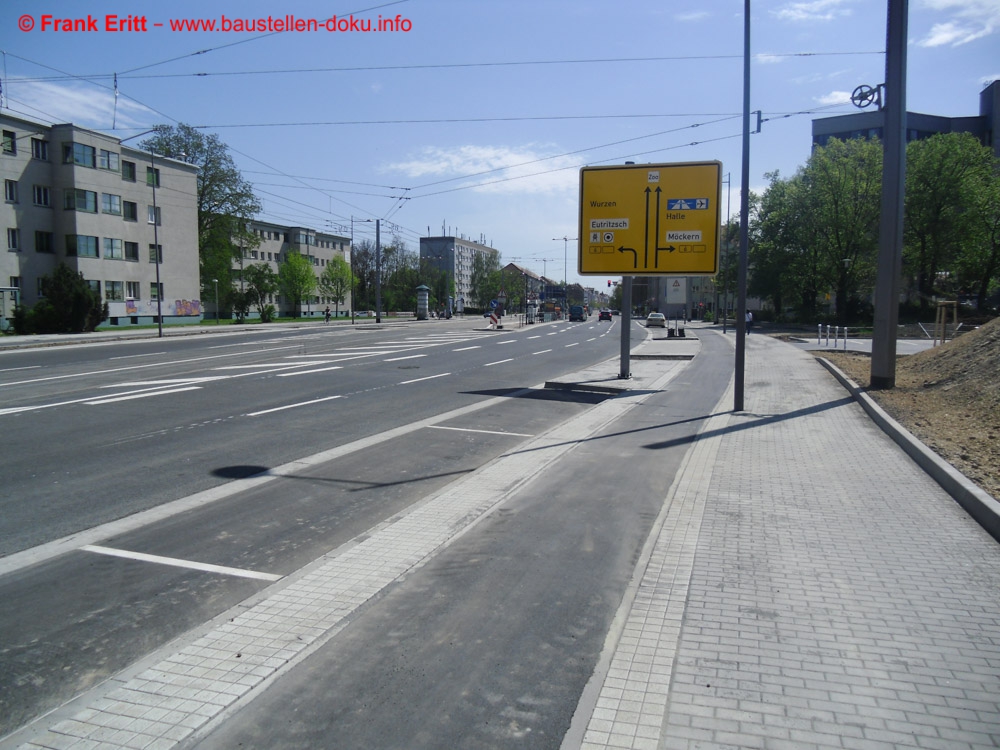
834,596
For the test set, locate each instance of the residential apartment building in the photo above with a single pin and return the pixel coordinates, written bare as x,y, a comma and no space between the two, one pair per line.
107,210
319,248
454,255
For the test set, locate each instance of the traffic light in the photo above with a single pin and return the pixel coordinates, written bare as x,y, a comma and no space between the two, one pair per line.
609,283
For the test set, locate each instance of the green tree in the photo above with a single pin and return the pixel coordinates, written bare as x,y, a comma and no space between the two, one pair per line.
979,261
946,189
261,283
484,282
296,280
335,281
69,304
226,202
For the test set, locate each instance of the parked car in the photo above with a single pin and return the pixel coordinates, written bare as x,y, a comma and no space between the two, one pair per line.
604,315
655,319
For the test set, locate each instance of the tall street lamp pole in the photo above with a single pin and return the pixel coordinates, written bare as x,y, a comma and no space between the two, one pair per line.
156,248
216,282
566,241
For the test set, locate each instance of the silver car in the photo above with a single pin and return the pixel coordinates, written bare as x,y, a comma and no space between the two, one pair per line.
655,319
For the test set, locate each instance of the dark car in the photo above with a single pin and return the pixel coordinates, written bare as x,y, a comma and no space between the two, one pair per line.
576,313
604,315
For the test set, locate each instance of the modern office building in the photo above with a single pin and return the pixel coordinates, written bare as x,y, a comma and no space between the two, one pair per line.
107,210
319,248
454,256
868,124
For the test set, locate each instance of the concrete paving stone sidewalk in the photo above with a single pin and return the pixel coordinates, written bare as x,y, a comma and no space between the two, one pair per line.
809,586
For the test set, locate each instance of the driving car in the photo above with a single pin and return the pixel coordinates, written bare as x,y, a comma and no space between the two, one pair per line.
604,315
655,319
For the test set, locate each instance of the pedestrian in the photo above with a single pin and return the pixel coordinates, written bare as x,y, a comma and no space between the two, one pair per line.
326,314
749,321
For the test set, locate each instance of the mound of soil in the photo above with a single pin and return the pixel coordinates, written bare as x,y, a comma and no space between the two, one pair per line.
949,397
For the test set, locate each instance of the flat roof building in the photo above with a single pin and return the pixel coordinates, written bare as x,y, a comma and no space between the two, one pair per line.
918,126
107,210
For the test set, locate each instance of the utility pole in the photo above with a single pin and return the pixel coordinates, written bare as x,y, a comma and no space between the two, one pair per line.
890,231
378,273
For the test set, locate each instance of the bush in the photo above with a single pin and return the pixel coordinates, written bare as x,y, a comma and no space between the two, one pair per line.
69,305
268,313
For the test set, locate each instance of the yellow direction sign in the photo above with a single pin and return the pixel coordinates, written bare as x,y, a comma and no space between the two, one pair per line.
648,219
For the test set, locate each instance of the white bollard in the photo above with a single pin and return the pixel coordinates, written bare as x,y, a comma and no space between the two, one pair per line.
827,335
819,333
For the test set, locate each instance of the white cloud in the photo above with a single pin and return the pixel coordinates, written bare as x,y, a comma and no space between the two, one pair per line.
497,169
86,105
835,97
693,16
969,20
814,10
766,59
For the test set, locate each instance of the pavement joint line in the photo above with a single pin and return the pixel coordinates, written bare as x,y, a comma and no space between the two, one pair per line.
627,666
250,646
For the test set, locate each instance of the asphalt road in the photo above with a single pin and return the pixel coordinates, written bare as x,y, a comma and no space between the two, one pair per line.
359,423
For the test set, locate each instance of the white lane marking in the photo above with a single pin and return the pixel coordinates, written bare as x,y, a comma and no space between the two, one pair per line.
498,362
157,383
510,341
292,406
178,563
139,367
569,345
487,432
534,337
266,367
133,356
308,372
131,396
467,348
409,356
553,333
593,339
543,351
429,377
12,369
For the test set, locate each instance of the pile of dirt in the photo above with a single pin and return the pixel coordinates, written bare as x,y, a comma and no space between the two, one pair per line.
949,397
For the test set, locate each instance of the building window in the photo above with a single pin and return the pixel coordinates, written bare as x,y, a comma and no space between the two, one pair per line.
108,160
155,253
114,291
45,242
10,191
111,204
113,249
78,153
40,149
155,290
81,246
132,251
15,282
40,287
41,196
9,142
13,239
128,170
130,211
153,215
132,290
95,287
80,200
152,176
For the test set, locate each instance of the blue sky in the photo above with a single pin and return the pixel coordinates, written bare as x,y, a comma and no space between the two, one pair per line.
476,115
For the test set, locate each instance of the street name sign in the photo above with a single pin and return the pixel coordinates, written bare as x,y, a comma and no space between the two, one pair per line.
650,219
